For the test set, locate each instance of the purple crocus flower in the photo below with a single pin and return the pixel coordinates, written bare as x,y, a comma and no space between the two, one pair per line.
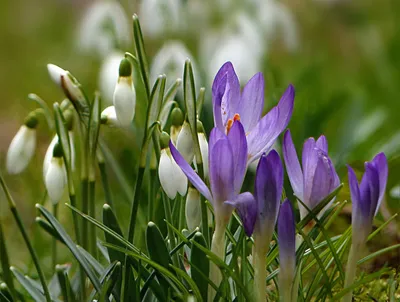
287,250
367,197
227,168
230,104
318,177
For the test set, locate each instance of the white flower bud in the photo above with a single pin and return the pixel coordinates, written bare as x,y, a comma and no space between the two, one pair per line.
193,210
124,94
109,117
49,153
185,144
63,79
55,180
204,152
172,178
21,150
56,73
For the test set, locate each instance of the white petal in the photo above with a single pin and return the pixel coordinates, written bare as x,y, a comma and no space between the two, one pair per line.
124,101
71,141
193,211
184,143
204,152
166,174
48,156
55,73
109,76
21,150
110,115
55,179
181,181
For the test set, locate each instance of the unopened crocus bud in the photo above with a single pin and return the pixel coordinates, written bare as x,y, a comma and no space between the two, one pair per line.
172,179
109,117
124,94
193,210
22,146
176,123
184,143
287,250
55,179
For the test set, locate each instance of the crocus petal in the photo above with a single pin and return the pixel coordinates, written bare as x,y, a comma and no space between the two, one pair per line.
353,185
247,209
221,171
373,183
225,94
190,173
263,135
237,139
322,143
268,191
287,240
381,165
292,165
285,107
309,162
252,102
215,135
322,181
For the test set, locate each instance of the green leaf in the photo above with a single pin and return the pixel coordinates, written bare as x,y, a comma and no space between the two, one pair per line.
94,129
5,294
190,281
141,54
48,228
62,133
110,281
165,111
172,90
156,100
65,285
5,264
32,289
200,101
202,265
110,221
71,246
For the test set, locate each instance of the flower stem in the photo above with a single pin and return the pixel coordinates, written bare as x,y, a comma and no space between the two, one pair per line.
106,186
54,248
351,269
218,248
85,210
260,273
92,213
28,243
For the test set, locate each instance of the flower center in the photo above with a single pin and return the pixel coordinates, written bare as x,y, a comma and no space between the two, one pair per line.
229,123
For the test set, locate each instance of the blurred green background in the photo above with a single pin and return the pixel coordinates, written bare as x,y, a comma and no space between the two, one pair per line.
346,71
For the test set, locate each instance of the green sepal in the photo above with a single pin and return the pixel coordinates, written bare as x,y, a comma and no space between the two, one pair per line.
200,265
31,121
125,68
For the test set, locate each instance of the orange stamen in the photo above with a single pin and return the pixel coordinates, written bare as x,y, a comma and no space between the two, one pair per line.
229,124
236,117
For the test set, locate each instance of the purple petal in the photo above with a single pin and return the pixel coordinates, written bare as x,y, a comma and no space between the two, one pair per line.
221,171
263,136
268,190
322,181
286,239
353,185
190,173
381,165
251,102
226,94
215,135
373,183
322,143
247,209
237,139
309,162
292,165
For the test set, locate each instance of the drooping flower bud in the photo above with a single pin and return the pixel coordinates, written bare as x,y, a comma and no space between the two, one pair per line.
176,123
124,94
55,179
172,178
22,146
109,117
184,143
193,210
108,76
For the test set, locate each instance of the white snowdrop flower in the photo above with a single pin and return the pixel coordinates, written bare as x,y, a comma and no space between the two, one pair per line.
170,60
124,94
204,152
64,80
104,27
193,210
109,117
158,17
22,146
55,179
108,76
184,143
48,156
172,179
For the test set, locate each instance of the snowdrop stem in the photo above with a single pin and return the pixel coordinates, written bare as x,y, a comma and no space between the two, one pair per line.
24,234
104,179
54,248
203,207
92,213
181,201
351,269
85,210
218,248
